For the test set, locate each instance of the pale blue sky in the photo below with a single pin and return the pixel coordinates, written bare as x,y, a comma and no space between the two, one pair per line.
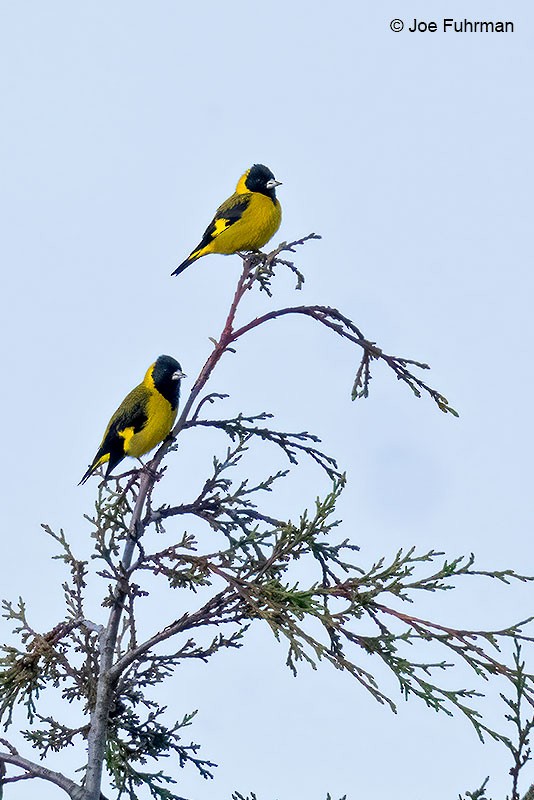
124,125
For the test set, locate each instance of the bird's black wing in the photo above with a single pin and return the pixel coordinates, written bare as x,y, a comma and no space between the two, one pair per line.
226,215
132,413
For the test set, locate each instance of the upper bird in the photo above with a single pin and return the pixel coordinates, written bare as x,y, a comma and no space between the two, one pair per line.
144,418
246,221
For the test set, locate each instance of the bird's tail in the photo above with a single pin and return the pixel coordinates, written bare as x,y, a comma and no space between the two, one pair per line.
189,260
97,461
87,474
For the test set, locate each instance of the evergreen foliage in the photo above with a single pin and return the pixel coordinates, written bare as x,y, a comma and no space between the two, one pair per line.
355,616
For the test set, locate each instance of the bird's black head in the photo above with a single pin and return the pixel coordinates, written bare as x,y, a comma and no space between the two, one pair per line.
261,179
167,375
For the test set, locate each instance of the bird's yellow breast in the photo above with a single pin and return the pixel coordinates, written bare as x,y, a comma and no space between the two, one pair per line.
259,222
160,420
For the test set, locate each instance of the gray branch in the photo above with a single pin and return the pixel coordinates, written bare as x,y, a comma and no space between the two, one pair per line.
74,791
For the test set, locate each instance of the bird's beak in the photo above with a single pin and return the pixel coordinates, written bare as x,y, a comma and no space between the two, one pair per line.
176,376
272,183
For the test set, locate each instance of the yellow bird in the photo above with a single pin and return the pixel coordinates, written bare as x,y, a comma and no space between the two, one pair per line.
246,221
144,418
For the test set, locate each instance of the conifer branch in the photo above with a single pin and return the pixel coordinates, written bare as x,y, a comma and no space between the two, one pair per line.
33,770
110,668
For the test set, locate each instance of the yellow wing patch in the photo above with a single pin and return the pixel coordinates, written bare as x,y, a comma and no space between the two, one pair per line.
219,225
127,434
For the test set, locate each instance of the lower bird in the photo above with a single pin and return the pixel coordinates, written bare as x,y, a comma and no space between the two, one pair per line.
144,418
245,221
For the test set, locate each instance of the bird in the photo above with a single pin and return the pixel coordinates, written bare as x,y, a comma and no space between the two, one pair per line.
144,418
245,221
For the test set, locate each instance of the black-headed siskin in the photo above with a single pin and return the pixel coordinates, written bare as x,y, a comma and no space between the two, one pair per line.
246,221
144,418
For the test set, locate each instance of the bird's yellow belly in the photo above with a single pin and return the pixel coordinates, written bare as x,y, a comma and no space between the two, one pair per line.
161,418
259,223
